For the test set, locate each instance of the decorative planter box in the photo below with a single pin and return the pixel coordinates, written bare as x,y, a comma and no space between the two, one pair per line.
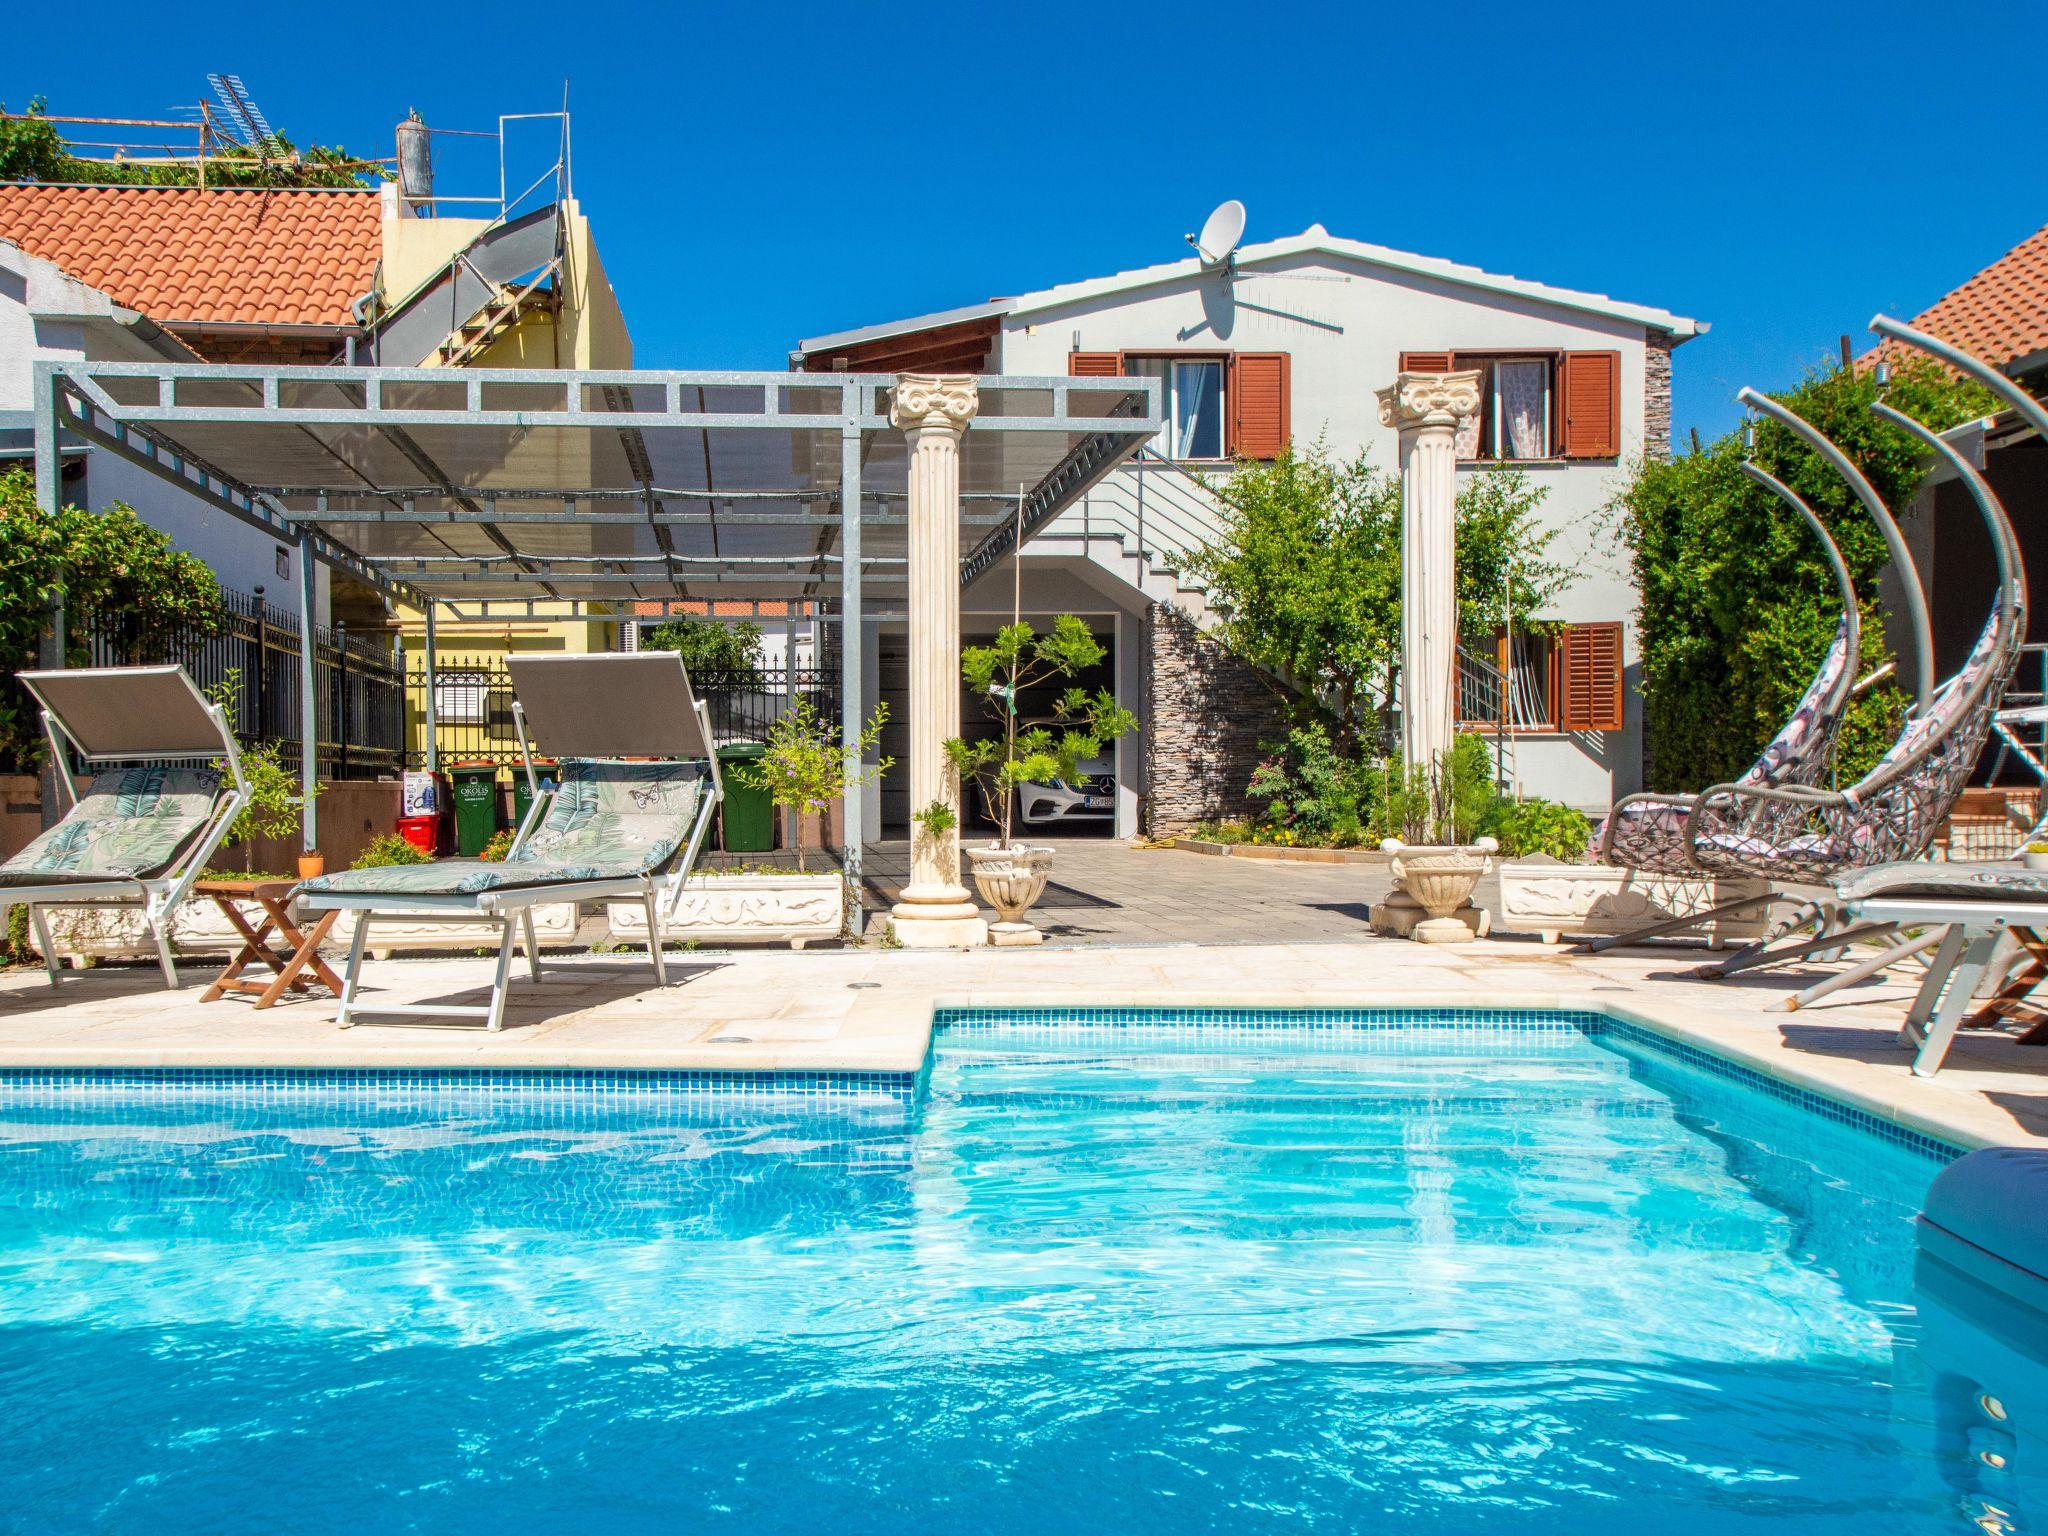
1553,899
199,929
744,909
554,923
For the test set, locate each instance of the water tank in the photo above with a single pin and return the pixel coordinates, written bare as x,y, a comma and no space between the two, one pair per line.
415,163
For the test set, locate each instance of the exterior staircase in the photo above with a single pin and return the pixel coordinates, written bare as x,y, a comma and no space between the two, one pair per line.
483,291
1139,523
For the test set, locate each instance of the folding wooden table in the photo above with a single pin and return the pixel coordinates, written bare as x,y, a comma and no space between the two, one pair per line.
298,953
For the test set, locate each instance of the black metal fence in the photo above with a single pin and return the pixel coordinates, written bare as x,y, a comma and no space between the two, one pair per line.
358,702
473,706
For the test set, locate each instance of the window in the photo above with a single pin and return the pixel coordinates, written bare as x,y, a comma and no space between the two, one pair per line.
1535,405
1569,680
1514,408
461,698
1232,405
1194,404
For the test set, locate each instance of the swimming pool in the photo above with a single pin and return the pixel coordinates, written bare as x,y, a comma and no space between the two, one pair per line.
1217,1272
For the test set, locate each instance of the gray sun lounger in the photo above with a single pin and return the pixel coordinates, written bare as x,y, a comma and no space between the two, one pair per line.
1968,909
166,787
636,792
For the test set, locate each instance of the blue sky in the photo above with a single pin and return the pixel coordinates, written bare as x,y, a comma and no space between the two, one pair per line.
757,173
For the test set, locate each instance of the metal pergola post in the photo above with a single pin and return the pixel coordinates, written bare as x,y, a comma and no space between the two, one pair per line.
851,813
309,712
49,496
430,722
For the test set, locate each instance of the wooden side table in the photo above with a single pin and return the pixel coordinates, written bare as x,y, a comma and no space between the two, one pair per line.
299,952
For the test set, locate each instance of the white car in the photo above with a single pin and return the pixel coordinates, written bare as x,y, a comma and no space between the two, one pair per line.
1091,798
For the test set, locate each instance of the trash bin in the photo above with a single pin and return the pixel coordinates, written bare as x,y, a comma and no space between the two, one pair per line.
522,797
748,815
476,806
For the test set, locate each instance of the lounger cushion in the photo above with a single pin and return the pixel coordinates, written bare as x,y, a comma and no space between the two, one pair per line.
609,821
131,823
1924,879
455,877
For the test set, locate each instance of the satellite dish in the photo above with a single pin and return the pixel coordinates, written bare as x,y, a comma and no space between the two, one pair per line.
1221,231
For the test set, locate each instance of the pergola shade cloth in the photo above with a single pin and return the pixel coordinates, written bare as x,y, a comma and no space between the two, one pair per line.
584,486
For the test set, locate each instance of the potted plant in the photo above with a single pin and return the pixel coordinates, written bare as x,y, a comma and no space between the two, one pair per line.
1039,749
2035,856
805,768
1438,860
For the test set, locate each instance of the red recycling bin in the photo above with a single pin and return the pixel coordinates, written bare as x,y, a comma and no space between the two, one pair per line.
423,832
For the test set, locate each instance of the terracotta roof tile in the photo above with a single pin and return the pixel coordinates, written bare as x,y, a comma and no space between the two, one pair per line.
2001,314
218,257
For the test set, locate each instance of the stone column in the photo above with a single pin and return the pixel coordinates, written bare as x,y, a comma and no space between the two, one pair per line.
933,410
1425,407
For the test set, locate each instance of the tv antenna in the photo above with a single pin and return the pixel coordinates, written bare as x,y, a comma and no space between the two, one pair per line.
245,120
1221,232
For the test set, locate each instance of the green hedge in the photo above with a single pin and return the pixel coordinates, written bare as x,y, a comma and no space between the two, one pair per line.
1737,602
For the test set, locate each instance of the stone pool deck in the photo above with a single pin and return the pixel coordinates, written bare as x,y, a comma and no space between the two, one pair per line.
870,1010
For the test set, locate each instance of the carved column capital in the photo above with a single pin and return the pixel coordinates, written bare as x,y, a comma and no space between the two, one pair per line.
946,401
1429,399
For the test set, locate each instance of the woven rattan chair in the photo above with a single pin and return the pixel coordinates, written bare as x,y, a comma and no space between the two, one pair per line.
1648,832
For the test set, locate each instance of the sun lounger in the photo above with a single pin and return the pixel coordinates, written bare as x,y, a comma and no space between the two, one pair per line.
1971,907
612,827
166,786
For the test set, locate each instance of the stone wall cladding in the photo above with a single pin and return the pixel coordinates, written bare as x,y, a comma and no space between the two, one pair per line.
1657,395
1208,711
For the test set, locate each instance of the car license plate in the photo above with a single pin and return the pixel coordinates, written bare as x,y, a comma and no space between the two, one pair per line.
1095,803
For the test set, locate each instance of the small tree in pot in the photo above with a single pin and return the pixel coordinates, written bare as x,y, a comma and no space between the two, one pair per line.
806,768
1029,750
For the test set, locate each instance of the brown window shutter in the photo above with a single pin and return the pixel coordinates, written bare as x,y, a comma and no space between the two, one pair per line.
1425,362
1590,392
1589,678
1094,365
1258,390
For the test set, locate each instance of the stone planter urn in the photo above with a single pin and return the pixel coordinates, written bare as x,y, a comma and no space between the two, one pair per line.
1434,900
1010,880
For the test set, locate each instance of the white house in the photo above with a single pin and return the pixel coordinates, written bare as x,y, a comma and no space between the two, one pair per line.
1289,340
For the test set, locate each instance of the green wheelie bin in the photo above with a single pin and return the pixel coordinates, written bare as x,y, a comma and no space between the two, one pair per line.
748,814
476,806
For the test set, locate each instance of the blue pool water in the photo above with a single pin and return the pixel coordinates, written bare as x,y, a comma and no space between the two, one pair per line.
1123,1277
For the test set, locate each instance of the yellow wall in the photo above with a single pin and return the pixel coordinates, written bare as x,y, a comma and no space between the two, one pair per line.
589,331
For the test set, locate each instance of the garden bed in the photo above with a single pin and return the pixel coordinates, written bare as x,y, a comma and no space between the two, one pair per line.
1272,851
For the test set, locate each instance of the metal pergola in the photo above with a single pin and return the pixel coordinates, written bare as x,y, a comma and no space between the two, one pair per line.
477,492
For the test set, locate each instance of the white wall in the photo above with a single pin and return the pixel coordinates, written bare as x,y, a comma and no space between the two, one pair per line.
1344,325
47,315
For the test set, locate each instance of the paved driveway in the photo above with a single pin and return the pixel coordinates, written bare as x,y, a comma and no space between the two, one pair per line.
1103,891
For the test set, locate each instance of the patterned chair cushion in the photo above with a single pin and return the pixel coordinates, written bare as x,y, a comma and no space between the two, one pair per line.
130,823
609,821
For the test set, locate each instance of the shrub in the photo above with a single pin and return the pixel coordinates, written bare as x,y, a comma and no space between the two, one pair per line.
1737,604
387,850
500,844
1529,827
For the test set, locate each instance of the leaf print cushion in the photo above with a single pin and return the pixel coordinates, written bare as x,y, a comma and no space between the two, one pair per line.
609,821
130,823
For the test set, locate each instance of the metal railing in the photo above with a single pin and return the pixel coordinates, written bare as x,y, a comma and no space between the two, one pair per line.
1152,505
473,707
355,678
